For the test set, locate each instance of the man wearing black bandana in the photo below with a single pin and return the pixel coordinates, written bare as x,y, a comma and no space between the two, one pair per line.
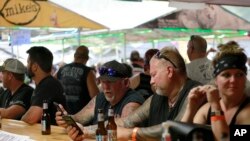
227,103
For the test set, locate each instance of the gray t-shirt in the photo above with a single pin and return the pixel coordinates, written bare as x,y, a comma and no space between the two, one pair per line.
200,70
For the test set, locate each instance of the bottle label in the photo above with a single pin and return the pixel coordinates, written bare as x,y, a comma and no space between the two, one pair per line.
43,123
111,113
112,135
100,117
45,105
101,138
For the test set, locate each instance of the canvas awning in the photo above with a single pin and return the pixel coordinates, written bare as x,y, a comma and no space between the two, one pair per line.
29,13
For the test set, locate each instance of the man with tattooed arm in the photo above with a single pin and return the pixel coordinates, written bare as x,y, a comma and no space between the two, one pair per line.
169,78
114,78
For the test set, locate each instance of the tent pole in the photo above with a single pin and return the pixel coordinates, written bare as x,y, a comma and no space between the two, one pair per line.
125,48
62,49
79,36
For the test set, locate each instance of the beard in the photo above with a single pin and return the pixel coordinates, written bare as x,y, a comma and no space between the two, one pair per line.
29,73
109,99
160,91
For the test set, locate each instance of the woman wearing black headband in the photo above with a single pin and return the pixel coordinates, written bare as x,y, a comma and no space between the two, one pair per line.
227,104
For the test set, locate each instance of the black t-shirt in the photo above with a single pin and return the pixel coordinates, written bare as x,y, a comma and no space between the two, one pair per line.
159,108
51,90
144,87
21,97
73,77
101,102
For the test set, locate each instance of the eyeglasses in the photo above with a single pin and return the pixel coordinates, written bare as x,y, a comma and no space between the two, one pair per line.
110,72
160,56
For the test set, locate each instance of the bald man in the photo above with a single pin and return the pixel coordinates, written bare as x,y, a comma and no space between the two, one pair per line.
78,80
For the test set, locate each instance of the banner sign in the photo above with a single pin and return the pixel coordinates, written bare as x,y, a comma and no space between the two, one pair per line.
20,37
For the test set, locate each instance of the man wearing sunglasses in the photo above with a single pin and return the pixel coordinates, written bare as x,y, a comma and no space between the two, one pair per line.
169,78
199,68
114,78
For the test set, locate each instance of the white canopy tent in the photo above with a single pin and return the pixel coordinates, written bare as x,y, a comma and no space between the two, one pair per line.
115,14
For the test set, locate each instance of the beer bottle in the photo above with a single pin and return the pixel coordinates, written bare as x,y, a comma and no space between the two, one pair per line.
111,126
45,121
101,132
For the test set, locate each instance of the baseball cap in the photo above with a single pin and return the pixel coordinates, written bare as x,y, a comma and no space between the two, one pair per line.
13,65
113,71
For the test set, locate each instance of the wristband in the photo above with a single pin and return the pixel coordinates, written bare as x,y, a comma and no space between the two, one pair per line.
134,133
216,113
216,118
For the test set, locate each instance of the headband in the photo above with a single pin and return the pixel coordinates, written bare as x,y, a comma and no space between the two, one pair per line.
230,62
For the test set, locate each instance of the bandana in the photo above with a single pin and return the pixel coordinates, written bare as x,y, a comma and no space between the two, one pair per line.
230,62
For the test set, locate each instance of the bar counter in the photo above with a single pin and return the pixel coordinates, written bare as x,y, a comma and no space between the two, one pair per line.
34,131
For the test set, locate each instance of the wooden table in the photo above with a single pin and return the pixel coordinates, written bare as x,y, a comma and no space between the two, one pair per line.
34,131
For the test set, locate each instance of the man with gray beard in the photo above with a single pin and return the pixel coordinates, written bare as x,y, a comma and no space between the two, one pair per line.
114,78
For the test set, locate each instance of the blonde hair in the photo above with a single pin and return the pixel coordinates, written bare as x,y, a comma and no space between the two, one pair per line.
230,48
173,54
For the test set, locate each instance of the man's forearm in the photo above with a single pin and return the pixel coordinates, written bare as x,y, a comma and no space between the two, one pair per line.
149,133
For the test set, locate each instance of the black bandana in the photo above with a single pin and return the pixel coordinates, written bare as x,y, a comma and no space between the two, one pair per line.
230,62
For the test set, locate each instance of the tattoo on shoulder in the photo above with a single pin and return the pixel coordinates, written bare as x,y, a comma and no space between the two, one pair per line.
138,116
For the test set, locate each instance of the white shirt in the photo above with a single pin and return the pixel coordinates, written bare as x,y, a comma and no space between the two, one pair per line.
200,70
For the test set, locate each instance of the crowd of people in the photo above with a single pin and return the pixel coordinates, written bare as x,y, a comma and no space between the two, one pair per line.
156,89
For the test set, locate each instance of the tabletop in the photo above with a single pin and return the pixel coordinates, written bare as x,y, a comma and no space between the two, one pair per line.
34,131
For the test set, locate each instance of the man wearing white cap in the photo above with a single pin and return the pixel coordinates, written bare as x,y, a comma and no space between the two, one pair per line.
15,100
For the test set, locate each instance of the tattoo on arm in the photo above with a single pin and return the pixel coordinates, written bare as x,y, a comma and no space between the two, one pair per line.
87,113
138,116
129,108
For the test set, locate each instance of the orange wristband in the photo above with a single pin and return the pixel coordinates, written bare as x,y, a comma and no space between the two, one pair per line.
216,118
134,133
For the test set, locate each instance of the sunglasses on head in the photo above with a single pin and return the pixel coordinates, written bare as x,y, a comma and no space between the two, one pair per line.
158,55
109,71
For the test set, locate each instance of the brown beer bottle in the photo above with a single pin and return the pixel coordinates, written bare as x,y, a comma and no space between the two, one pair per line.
111,126
45,121
101,132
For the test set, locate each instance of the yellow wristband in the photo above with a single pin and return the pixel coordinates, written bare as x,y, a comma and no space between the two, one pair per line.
134,133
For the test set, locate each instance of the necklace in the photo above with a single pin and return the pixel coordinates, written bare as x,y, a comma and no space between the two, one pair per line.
173,100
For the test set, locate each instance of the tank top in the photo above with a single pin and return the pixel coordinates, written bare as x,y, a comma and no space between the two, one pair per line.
242,105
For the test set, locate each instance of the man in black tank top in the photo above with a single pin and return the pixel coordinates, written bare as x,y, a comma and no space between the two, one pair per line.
78,80
114,78
169,78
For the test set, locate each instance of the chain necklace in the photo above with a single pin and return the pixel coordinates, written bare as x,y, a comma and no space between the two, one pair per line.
172,101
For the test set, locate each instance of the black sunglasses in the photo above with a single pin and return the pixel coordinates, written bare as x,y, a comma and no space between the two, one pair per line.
110,72
158,55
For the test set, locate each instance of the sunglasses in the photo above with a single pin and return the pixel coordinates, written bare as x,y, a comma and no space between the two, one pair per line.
158,55
110,72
